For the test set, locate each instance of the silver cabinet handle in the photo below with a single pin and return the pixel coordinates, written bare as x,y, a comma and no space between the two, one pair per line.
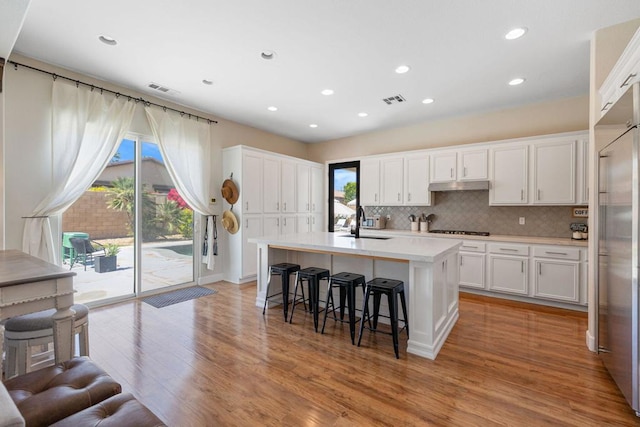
555,253
246,223
247,205
538,194
375,197
408,197
284,207
451,172
508,249
284,221
521,266
460,260
277,206
607,105
626,81
398,196
539,269
521,194
464,171
469,246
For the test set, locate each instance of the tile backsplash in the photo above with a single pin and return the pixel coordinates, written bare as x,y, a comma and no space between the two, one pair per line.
470,210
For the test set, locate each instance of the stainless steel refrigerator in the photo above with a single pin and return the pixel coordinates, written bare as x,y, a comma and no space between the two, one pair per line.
618,231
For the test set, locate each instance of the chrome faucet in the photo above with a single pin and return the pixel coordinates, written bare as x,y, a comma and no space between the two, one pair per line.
359,214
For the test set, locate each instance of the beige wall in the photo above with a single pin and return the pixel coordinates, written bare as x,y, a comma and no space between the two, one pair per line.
562,115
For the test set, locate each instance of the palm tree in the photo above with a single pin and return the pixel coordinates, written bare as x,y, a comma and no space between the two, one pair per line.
121,197
168,217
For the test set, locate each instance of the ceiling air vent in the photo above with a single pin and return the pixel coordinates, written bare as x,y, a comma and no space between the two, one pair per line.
396,99
163,89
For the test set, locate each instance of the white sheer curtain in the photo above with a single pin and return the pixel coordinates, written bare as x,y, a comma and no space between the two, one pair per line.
86,129
185,145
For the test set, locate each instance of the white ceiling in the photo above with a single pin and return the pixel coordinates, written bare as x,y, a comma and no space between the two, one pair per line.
456,50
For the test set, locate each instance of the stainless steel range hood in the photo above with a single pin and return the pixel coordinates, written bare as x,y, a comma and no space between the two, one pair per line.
459,186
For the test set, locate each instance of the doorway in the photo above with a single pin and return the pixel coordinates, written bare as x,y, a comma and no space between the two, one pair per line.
344,185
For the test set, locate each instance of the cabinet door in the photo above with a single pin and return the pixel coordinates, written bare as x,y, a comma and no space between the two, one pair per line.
288,224
472,270
508,274
370,182
251,191
416,182
583,172
509,172
317,188
303,223
392,181
271,185
554,173
557,280
316,222
271,225
288,187
303,186
473,165
251,227
443,167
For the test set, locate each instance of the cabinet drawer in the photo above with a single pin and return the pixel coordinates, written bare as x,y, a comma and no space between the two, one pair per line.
472,246
509,249
556,252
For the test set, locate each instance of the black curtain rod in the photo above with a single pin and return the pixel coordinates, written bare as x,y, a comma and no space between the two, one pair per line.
117,94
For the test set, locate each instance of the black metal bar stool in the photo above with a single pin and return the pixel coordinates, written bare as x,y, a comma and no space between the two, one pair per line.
312,275
284,270
347,282
392,288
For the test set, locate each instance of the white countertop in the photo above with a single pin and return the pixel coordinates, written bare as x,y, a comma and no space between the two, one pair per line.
397,247
492,238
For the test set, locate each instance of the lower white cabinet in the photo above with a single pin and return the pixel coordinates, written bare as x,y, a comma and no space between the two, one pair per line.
556,274
303,223
472,261
251,226
508,267
316,222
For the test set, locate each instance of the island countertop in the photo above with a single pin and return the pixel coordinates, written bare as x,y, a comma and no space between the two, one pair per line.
400,248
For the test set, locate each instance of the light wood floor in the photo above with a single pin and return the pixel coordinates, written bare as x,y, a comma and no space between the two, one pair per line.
217,361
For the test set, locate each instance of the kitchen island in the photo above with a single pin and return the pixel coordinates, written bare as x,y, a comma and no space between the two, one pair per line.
428,267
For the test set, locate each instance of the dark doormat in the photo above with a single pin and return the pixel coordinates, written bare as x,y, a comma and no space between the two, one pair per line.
181,295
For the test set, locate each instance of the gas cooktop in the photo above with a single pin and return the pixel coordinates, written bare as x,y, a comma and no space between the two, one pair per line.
463,232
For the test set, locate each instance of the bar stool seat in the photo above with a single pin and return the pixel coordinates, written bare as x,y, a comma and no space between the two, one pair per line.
284,270
22,333
312,275
347,282
393,289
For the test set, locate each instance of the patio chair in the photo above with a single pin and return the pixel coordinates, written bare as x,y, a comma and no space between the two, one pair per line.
84,251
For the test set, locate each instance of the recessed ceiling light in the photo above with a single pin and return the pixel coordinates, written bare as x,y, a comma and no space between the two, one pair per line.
516,82
207,82
363,114
516,33
427,101
327,92
267,54
402,69
313,125
107,40
272,108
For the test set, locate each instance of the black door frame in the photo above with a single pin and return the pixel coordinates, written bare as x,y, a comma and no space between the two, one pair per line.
332,167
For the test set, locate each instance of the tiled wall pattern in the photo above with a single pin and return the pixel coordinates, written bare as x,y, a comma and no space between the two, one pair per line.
470,210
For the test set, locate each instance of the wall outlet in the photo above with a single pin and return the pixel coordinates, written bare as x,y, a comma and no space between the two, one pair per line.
521,220
213,201
388,217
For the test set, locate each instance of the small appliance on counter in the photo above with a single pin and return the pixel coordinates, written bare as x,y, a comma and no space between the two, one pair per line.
375,222
579,231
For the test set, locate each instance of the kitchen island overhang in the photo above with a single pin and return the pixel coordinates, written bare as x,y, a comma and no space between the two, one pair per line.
428,267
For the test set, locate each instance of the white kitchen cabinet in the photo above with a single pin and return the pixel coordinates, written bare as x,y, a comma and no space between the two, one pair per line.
370,182
303,188
270,184
288,224
303,223
472,165
444,166
509,175
317,190
623,75
271,225
250,193
392,181
556,274
251,227
554,173
472,260
582,192
508,266
316,222
287,187
416,181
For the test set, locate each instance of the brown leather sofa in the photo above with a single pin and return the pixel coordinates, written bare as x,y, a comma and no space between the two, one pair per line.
73,393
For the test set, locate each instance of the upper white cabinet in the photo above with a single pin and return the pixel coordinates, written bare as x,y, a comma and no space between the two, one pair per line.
472,165
582,193
270,184
443,166
303,185
554,173
288,187
370,182
624,73
509,175
416,180
251,196
317,186
392,181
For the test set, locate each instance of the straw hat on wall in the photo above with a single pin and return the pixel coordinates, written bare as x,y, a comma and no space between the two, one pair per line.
230,222
229,191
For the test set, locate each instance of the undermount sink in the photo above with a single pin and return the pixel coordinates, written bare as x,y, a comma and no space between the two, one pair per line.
366,237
